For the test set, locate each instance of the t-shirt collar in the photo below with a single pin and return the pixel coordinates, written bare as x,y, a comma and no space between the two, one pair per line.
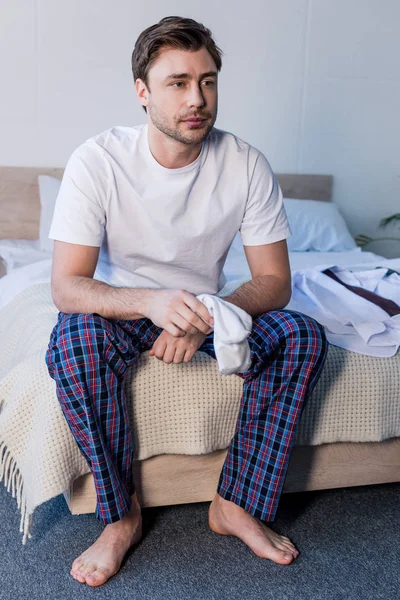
156,165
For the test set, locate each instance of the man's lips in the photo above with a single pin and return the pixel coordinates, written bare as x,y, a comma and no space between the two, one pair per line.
196,120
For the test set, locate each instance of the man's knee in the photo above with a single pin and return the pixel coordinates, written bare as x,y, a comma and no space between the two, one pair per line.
73,337
305,326
300,329
80,327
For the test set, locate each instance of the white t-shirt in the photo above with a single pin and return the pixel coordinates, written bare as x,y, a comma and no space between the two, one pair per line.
167,228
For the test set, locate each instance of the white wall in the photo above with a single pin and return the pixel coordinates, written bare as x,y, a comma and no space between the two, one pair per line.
314,84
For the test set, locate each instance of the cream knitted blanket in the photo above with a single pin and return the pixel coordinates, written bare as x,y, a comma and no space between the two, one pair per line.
189,408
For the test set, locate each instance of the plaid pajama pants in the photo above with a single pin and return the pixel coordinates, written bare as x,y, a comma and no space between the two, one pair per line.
88,355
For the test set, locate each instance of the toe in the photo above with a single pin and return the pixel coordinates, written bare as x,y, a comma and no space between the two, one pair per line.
88,569
287,543
76,564
77,576
290,549
278,555
287,546
98,577
288,557
79,572
284,556
91,579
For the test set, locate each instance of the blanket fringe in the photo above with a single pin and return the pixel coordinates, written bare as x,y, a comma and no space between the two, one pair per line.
13,480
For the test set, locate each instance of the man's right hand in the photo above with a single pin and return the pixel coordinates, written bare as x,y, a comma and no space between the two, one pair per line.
178,312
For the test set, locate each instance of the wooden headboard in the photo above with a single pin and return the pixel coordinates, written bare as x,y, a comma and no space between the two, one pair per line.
20,206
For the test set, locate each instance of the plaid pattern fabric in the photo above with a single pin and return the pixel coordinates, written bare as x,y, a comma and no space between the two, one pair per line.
88,355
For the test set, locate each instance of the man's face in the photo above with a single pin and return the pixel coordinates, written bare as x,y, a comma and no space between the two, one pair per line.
183,84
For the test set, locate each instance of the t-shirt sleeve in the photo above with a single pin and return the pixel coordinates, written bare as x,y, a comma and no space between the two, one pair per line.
80,211
264,220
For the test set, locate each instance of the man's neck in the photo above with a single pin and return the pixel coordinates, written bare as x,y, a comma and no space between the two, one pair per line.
170,153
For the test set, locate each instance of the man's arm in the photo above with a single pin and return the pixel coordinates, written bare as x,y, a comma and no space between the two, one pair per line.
75,291
270,287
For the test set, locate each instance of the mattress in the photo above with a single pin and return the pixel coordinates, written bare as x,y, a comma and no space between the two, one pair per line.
181,409
192,408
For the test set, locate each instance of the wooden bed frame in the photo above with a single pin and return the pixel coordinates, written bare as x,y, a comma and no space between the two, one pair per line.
178,479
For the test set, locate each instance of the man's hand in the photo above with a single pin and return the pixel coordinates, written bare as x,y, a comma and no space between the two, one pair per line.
178,311
177,349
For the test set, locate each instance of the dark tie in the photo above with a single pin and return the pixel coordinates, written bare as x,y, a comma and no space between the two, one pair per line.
387,305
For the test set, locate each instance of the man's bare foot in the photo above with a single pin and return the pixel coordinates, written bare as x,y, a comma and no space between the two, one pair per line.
103,559
227,518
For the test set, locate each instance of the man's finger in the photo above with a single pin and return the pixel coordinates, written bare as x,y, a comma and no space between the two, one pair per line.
179,354
188,356
169,354
195,321
174,330
198,308
159,348
188,321
155,346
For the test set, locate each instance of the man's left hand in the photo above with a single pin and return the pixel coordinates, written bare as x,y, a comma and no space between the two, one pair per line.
176,349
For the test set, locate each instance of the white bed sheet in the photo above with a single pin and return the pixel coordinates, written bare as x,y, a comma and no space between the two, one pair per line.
19,253
236,265
28,265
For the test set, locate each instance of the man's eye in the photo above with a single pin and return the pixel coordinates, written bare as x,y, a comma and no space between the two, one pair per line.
180,83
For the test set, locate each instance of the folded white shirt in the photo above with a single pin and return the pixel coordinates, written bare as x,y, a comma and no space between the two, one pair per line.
350,321
232,327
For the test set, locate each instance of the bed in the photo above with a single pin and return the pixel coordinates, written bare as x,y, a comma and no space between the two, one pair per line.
352,388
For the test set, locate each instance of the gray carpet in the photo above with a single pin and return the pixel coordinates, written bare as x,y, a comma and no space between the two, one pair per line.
349,542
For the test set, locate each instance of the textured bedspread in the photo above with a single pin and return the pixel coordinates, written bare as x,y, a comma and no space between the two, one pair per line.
176,409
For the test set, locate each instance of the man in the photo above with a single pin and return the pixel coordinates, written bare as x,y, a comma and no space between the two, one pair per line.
160,204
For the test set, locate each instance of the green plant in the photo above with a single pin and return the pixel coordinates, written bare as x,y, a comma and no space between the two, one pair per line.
363,240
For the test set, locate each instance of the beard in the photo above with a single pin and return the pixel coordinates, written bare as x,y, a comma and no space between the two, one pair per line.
189,136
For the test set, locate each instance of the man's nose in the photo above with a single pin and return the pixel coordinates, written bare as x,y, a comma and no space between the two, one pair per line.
196,97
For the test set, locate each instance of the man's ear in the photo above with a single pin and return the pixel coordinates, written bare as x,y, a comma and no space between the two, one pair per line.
141,91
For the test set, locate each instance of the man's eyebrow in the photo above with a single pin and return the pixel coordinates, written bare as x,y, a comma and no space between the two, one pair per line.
188,76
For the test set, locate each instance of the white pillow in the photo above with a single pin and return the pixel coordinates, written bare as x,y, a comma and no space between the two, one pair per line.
317,227
48,190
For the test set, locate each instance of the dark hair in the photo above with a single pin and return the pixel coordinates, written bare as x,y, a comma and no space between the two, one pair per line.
172,32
